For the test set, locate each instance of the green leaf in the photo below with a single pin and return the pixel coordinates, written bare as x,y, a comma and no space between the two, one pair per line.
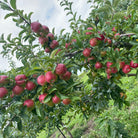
10,14
13,3
5,6
47,98
38,111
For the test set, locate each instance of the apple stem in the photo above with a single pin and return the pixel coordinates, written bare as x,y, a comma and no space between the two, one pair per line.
60,131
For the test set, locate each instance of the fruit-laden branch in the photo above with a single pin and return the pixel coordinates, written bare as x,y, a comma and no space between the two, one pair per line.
129,75
72,54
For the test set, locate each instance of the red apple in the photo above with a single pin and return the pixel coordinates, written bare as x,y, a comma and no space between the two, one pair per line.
29,103
114,69
42,97
56,99
17,90
36,27
54,44
89,28
3,92
67,45
50,77
108,71
93,42
98,65
51,36
3,79
122,64
61,69
101,37
87,52
66,101
41,80
30,85
114,29
108,76
43,40
47,50
20,79
108,64
66,76
126,69
133,65
45,29
117,35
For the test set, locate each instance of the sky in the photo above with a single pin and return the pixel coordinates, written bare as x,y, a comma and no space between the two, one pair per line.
47,12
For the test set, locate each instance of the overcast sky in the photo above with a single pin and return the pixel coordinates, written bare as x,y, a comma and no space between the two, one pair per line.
47,12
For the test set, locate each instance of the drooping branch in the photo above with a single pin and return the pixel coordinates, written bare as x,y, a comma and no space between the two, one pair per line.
129,75
127,34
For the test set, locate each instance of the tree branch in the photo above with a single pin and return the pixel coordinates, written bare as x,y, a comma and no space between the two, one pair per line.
129,75
127,34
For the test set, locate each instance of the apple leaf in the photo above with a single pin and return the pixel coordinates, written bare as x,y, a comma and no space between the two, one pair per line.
13,3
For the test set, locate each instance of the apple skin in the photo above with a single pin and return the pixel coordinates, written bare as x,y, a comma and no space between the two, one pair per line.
117,35
66,76
20,79
36,27
50,77
61,69
126,69
17,90
108,64
30,85
42,97
66,101
54,44
47,50
93,42
3,92
43,40
41,80
87,52
50,36
3,79
45,29
122,64
98,65
56,99
114,29
29,103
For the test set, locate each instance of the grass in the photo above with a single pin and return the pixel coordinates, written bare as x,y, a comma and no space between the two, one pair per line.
92,128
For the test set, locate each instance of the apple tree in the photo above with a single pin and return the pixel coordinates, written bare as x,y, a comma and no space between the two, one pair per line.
104,48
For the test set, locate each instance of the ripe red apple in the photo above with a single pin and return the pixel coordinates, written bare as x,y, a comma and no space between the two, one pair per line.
122,64
87,52
89,28
50,35
108,71
126,69
43,40
55,99
107,40
61,69
50,77
20,79
108,64
98,65
108,76
29,103
36,27
117,35
30,85
54,44
42,97
12,95
93,42
133,65
114,69
67,45
3,79
41,80
88,33
47,50
3,92
101,37
17,90
114,29
66,101
66,76
45,29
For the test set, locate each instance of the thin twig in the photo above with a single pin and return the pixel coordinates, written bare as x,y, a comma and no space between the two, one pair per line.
61,132
129,75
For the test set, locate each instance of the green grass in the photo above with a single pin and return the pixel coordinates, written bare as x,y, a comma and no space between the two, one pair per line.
91,128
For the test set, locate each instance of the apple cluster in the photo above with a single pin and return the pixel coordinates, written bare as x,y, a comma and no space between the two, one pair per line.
46,39
50,78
